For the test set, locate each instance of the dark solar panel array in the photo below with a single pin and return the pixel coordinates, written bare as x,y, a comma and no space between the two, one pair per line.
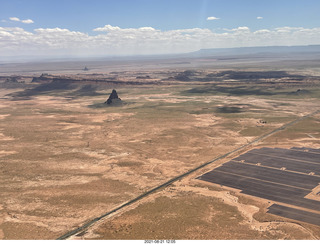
301,166
281,175
296,214
306,149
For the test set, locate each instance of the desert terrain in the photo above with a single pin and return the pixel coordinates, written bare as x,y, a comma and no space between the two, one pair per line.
67,158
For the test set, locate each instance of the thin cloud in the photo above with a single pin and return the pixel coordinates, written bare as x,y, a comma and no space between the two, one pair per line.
240,28
212,18
14,19
110,28
259,17
25,21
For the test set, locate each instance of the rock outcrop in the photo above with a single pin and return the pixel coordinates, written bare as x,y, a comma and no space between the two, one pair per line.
113,98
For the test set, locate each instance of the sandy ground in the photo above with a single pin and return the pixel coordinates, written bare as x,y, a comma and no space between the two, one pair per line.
65,159
280,229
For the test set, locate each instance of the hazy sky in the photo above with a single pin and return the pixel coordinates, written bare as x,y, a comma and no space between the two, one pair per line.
128,27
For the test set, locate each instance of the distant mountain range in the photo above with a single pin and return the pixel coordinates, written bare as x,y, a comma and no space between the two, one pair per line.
258,50
312,51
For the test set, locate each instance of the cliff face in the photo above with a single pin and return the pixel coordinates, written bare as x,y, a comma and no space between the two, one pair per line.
113,97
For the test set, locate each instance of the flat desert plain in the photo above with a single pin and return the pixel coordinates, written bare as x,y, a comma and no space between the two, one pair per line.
67,158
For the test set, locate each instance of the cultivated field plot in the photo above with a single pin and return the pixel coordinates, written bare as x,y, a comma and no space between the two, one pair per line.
288,176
